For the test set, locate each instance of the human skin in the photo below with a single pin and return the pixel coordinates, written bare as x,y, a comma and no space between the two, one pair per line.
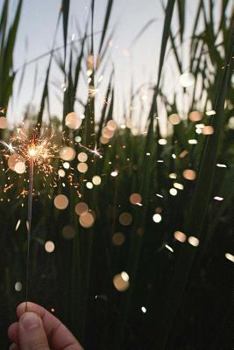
38,329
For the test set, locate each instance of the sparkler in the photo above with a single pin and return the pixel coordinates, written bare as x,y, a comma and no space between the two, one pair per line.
25,153
34,151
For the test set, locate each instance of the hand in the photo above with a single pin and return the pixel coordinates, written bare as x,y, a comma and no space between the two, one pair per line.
38,329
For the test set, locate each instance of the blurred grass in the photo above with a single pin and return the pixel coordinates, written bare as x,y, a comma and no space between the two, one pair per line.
8,32
77,279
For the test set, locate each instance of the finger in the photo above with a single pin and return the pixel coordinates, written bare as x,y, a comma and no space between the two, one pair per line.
13,332
60,337
13,347
31,334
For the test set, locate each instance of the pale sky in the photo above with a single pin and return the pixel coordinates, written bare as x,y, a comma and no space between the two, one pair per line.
36,31
35,37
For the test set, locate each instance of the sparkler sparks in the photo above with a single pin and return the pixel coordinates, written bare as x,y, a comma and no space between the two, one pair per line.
39,149
42,151
48,151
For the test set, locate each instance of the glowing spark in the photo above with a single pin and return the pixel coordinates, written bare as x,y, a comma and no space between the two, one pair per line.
217,198
169,248
172,176
114,173
209,113
94,151
17,225
219,165
192,141
8,146
178,186
229,257
6,188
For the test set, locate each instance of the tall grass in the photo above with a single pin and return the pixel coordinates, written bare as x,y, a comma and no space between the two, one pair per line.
8,31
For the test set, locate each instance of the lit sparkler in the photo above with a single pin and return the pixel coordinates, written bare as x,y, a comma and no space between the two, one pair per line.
25,153
37,149
34,151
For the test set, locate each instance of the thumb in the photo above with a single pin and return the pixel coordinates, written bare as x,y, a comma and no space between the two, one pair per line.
32,335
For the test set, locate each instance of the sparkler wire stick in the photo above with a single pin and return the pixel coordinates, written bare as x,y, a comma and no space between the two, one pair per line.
30,198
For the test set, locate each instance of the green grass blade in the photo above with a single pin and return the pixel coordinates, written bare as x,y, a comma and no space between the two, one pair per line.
198,207
65,11
165,36
181,15
106,23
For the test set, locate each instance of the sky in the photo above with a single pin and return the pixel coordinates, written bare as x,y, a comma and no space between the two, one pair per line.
133,64
36,32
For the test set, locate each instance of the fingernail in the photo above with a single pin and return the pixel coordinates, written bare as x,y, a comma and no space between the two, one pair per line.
30,320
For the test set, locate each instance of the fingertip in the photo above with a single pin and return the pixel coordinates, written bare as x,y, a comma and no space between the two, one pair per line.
28,307
30,320
20,309
13,332
32,334
13,347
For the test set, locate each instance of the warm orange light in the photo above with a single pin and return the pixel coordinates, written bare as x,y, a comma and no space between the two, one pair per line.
32,151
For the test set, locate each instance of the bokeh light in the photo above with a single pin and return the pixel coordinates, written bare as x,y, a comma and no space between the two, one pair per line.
86,220
229,257
118,238
189,174
174,119
3,123
183,154
162,142
107,133
13,160
172,176
96,180
173,191
111,125
125,219
211,112
73,121
192,142
82,167
180,236
194,241
195,116
66,165
20,167
18,286
135,198
61,173
49,247
67,153
104,140
208,130
157,218
178,186
114,173
82,157
81,208
89,185
120,282
61,202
